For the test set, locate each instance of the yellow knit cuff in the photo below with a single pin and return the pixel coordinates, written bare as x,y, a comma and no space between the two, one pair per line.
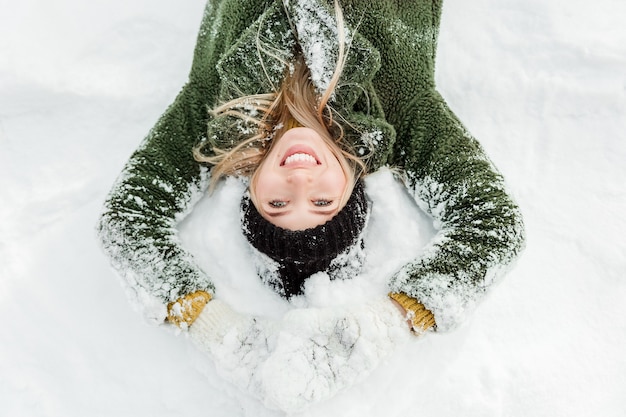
185,310
422,318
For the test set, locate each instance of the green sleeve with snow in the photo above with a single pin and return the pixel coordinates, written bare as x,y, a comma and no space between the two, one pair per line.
480,228
161,181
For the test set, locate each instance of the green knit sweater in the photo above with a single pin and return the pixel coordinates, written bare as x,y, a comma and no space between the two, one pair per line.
387,93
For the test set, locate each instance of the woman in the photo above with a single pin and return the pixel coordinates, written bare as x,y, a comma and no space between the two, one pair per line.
386,109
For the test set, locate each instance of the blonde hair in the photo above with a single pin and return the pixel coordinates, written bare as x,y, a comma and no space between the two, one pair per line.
274,113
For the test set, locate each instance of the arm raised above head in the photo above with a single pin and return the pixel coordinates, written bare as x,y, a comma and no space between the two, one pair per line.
480,227
161,181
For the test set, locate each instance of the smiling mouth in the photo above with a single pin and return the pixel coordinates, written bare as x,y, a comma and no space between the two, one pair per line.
300,158
300,155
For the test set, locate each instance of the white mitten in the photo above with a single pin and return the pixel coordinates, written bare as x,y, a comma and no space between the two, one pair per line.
237,343
322,351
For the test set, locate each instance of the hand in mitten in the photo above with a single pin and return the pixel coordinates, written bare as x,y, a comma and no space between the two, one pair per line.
237,343
321,351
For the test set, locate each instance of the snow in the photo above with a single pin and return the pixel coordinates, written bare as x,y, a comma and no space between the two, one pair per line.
542,86
213,235
320,56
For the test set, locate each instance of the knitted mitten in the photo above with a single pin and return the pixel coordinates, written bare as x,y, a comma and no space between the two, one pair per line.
322,351
237,343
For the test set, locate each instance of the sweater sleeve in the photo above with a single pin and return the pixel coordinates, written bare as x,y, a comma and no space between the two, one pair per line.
480,228
161,181
156,188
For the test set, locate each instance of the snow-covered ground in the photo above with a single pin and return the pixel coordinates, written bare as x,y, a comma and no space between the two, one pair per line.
541,84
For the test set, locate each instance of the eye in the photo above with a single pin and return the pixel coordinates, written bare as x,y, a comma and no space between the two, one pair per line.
277,204
322,203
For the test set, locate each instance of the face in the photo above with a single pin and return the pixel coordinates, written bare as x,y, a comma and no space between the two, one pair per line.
300,183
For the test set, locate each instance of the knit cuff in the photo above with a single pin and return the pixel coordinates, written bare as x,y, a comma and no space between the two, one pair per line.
422,318
186,310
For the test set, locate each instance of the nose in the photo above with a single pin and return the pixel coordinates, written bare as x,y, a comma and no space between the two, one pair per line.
300,177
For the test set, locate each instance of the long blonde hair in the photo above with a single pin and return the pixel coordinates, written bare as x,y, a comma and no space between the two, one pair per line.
274,113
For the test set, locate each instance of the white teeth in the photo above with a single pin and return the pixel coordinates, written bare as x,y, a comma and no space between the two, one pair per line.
300,157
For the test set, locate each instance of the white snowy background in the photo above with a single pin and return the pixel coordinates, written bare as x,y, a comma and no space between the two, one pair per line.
542,84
